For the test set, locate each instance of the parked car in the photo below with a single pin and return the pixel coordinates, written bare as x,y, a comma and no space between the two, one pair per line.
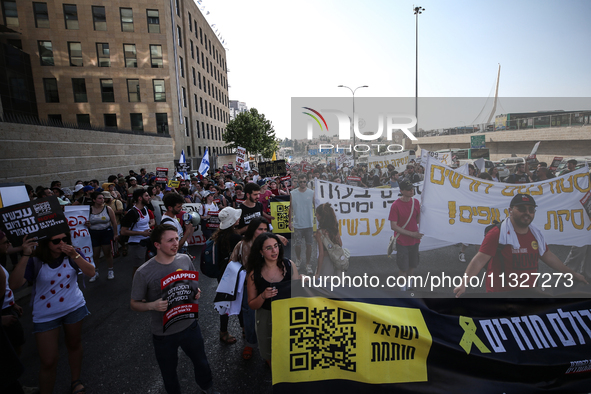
562,169
503,170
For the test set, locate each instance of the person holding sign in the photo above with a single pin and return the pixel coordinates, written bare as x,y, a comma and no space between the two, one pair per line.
52,269
103,231
524,246
147,295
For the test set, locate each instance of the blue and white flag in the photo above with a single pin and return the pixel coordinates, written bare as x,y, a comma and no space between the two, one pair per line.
204,166
182,162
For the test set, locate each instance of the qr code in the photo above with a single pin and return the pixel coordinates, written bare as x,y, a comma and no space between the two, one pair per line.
282,216
322,338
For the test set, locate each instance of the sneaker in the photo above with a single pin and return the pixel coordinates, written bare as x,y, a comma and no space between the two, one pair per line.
95,277
309,270
111,275
462,257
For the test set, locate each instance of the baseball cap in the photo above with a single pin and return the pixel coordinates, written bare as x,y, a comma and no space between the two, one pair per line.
87,188
522,199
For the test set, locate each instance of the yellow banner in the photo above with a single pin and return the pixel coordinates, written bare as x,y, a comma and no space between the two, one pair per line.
173,184
280,211
320,339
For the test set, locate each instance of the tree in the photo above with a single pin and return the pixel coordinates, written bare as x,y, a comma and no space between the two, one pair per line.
251,131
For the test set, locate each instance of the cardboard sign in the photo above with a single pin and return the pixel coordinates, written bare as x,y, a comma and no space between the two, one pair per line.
77,216
12,193
41,218
178,288
174,184
272,168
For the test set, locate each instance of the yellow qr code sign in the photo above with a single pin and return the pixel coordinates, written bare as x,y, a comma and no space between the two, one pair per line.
322,339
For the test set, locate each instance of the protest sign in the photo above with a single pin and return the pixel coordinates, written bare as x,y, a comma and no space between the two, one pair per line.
272,168
398,160
77,216
287,181
12,193
240,158
159,209
363,217
174,184
179,289
41,218
161,175
444,157
457,207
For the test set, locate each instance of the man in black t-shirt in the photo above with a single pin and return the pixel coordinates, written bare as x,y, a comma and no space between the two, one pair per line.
520,175
251,207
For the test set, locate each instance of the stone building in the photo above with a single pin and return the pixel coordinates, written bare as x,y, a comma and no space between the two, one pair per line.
156,67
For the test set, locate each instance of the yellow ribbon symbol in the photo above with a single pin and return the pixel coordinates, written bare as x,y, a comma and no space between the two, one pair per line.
470,336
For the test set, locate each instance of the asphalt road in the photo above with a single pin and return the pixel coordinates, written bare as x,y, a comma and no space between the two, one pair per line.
118,354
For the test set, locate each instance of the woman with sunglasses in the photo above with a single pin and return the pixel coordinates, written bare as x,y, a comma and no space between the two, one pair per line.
268,278
53,269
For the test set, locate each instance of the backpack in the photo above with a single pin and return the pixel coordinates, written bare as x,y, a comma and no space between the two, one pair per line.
338,255
209,265
500,247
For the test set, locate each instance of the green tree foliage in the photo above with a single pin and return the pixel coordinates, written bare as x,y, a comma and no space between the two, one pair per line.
252,131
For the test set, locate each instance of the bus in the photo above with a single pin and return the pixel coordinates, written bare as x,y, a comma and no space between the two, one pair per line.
541,119
472,154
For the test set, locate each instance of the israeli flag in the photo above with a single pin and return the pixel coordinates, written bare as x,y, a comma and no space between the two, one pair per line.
204,166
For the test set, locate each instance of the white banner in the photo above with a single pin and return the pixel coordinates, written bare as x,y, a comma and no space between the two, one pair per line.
457,207
443,157
363,217
240,158
197,238
77,216
398,160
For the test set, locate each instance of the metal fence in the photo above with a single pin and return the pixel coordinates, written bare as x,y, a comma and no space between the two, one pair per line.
33,120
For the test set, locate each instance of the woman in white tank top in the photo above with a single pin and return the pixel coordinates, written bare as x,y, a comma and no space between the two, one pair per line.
102,225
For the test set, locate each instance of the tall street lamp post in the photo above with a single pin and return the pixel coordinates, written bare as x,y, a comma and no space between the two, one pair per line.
353,121
417,11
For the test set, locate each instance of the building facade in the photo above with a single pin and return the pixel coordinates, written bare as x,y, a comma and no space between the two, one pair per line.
237,107
156,67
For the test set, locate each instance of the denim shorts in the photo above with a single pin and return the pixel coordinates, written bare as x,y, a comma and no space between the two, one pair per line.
101,237
70,318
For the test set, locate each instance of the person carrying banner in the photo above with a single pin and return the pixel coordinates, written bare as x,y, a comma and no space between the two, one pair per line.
102,226
136,225
146,295
301,222
52,269
404,220
268,278
524,246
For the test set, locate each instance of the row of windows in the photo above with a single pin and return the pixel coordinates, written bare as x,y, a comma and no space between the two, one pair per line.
99,17
103,54
216,132
213,112
208,88
223,150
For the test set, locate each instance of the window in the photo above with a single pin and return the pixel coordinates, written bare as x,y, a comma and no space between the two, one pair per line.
194,77
207,126
188,150
195,23
130,55
182,67
184,97
199,151
202,61
159,90
133,90
45,53
75,50
110,121
83,119
187,127
201,104
153,21
201,35
10,13
199,78
50,87
162,123
198,131
178,8
71,16
126,19
99,18
107,92
137,123
179,38
18,89
192,50
103,55
55,119
206,108
197,49
190,23
195,101
79,88
156,56
41,15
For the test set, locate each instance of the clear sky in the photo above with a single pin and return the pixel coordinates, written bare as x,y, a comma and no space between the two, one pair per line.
277,49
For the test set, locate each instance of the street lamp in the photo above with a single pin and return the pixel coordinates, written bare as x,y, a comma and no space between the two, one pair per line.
353,92
417,11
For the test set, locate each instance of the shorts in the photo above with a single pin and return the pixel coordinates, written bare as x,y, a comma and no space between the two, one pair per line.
101,237
407,256
137,254
303,234
70,318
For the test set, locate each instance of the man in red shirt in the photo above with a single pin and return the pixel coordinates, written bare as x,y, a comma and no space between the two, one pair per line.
404,220
512,268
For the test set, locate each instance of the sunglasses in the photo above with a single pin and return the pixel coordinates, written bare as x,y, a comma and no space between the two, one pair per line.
59,240
524,209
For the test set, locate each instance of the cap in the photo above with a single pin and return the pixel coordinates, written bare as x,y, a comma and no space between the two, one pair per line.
522,199
228,216
87,188
78,187
405,185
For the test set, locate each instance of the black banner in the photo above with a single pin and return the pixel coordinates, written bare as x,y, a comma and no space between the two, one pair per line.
178,288
272,168
39,218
